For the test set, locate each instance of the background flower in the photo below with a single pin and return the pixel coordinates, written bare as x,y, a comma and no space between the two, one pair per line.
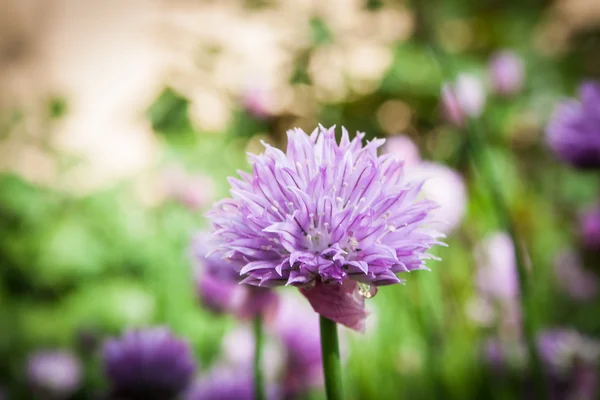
148,364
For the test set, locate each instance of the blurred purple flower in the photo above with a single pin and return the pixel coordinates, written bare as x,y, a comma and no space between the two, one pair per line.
223,383
54,373
573,132
148,364
573,279
590,228
238,352
298,329
255,101
403,147
217,282
324,213
507,72
462,99
193,191
497,272
444,186
570,360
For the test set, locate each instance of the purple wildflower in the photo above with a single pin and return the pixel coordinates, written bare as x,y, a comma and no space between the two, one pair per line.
403,147
53,373
298,329
323,213
218,288
590,228
192,191
223,383
570,360
577,282
462,99
574,129
507,72
447,188
148,364
442,184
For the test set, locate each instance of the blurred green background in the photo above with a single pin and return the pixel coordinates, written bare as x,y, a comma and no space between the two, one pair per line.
119,122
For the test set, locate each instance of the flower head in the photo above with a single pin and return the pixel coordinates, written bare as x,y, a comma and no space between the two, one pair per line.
223,383
298,329
463,99
506,72
53,373
590,228
447,188
217,282
497,274
574,129
148,364
323,212
571,276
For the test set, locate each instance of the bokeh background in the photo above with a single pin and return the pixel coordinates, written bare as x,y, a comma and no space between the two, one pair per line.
120,121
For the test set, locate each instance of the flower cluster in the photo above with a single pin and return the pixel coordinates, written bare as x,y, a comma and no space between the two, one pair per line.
148,364
574,130
323,212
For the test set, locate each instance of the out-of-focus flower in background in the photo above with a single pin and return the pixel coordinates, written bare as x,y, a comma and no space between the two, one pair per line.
444,186
238,352
571,360
441,184
589,227
506,72
298,329
462,99
195,191
300,219
217,283
53,374
223,383
571,276
148,364
573,132
404,147
497,282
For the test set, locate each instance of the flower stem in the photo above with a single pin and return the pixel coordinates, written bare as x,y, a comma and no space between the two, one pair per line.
476,149
330,351
259,392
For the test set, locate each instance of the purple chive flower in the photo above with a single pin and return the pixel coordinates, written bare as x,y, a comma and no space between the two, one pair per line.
298,329
577,282
497,273
570,360
463,99
507,72
590,228
54,373
447,188
255,101
573,132
223,383
326,215
442,184
193,191
217,282
148,364
403,147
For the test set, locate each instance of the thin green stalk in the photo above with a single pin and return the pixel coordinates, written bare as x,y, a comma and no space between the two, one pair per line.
259,391
481,162
330,351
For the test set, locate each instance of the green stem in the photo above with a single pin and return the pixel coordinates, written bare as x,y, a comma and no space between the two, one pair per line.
330,351
259,391
481,162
